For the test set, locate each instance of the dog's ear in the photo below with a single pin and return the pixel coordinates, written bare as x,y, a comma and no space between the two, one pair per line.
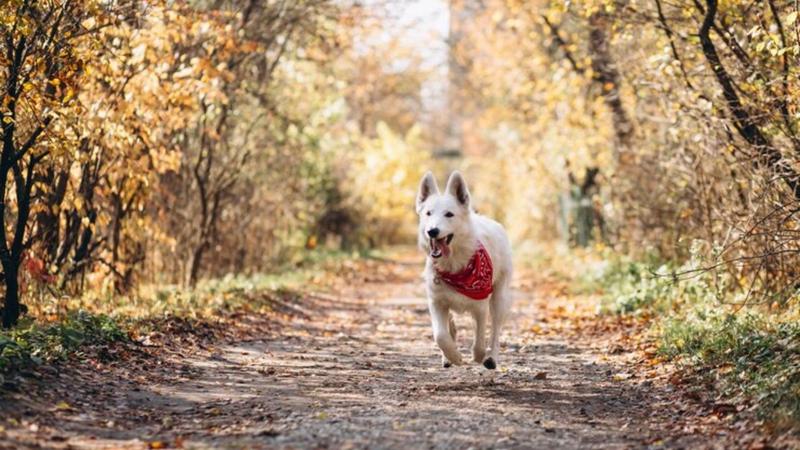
457,187
427,187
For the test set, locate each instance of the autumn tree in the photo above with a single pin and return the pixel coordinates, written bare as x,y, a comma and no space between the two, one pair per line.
40,70
688,110
216,147
140,137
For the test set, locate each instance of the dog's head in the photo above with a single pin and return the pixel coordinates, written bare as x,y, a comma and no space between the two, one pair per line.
443,218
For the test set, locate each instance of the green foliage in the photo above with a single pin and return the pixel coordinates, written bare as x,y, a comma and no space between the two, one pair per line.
629,286
33,343
632,286
752,357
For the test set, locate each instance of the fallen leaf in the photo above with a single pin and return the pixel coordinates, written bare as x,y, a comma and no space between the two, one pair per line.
620,376
63,406
722,409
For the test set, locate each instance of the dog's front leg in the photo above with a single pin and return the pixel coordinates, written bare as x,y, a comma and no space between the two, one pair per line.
498,307
440,319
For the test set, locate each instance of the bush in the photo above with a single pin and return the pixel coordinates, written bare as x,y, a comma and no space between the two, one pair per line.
35,343
630,286
755,357
752,357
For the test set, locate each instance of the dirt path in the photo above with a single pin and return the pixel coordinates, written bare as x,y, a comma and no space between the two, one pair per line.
357,369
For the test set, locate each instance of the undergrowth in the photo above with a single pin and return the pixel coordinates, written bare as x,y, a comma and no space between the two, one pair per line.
750,354
31,342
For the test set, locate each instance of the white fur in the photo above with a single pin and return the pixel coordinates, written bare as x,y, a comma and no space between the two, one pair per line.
468,228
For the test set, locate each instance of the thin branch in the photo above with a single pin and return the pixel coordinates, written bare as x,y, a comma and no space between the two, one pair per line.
668,31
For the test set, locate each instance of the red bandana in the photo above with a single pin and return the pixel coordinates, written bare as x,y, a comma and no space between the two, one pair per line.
475,280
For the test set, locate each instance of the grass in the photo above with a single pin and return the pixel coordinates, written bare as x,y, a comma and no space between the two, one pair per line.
203,301
31,342
751,356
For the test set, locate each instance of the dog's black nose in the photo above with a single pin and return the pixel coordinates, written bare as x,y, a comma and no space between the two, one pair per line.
433,232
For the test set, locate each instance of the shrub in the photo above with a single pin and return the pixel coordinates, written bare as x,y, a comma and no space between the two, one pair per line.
34,343
754,356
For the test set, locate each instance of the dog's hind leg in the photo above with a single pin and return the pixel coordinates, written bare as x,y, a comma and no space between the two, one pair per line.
452,327
499,306
479,343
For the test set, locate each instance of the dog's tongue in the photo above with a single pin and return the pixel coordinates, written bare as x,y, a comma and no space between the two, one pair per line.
440,244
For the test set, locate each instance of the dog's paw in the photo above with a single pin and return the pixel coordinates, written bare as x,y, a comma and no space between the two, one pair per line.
489,363
452,362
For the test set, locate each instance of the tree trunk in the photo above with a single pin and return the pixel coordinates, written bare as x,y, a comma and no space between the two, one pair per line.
195,262
607,76
11,307
743,121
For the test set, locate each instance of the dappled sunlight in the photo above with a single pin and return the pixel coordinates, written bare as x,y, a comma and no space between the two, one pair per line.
212,217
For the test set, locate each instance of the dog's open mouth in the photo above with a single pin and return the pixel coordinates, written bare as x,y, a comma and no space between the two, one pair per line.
441,247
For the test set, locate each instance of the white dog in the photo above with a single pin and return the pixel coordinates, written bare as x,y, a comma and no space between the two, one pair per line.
468,268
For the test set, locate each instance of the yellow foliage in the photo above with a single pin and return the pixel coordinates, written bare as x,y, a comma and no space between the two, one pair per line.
383,177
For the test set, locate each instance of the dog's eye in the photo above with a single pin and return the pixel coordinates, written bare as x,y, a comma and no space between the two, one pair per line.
449,214
428,213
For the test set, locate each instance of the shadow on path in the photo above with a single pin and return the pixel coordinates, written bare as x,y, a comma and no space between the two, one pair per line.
355,369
